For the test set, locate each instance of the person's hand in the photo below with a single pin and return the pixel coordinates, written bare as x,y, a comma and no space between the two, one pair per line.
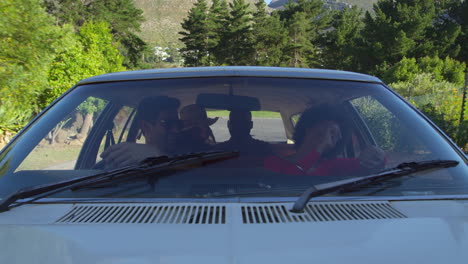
127,153
372,158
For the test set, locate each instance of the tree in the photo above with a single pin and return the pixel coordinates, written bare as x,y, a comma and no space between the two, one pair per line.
122,16
67,11
124,20
195,35
458,11
90,52
446,69
403,71
28,40
238,38
217,23
405,28
440,70
299,50
269,37
306,21
339,44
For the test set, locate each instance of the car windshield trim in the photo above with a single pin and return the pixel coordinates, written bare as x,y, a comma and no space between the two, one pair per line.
237,199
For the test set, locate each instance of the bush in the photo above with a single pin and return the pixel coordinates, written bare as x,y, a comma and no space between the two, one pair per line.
441,101
441,70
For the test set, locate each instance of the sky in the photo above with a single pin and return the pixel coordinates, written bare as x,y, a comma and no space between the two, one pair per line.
267,1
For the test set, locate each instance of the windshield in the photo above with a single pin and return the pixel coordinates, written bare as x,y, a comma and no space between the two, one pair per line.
290,134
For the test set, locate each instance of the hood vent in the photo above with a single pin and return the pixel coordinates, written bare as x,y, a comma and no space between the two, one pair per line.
145,214
270,213
320,212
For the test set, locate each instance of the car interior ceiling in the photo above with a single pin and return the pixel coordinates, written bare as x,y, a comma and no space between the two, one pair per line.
276,98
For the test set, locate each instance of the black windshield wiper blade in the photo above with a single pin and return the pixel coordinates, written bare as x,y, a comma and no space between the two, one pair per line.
401,170
151,166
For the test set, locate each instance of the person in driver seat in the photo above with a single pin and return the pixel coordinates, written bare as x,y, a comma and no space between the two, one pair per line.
319,137
159,122
240,124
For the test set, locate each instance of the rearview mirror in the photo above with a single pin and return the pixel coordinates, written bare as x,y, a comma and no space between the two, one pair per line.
228,102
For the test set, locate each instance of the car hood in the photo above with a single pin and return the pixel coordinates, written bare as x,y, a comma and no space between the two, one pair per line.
428,235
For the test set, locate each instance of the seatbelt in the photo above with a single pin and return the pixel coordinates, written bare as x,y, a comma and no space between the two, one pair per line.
109,139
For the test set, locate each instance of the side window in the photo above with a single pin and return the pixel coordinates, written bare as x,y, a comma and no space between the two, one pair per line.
60,148
380,122
121,127
389,133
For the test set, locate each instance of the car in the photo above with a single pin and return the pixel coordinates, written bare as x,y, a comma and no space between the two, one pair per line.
233,165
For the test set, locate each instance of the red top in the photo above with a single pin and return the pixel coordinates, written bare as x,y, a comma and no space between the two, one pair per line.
336,166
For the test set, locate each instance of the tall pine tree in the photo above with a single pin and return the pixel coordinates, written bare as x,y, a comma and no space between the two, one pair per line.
299,51
306,21
269,36
196,36
217,27
339,44
238,38
404,28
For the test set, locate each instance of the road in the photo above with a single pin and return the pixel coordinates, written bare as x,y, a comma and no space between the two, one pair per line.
267,129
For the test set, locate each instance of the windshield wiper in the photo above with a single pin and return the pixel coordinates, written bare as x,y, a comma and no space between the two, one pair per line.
153,168
401,170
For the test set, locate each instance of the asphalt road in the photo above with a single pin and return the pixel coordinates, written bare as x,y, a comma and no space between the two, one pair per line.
267,129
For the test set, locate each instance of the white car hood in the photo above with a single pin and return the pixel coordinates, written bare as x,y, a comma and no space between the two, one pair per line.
437,232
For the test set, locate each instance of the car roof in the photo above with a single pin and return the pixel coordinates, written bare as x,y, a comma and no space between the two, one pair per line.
235,71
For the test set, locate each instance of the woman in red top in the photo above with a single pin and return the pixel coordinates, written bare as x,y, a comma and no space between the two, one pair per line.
318,139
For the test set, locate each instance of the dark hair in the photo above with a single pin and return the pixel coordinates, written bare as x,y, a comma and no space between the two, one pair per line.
150,107
315,115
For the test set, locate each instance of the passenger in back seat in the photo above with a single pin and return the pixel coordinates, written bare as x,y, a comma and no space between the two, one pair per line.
196,134
240,124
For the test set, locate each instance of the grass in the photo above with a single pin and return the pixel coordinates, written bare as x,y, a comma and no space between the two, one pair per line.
46,156
255,114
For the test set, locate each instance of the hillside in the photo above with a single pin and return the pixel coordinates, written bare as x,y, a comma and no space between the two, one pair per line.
163,17
336,4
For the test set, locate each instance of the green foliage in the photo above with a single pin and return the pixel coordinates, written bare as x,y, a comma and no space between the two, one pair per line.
238,39
122,16
402,71
300,50
458,10
407,28
440,70
28,41
441,101
444,69
270,37
217,23
90,52
91,105
195,36
382,124
339,44
421,84
306,21
451,127
124,20
215,37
